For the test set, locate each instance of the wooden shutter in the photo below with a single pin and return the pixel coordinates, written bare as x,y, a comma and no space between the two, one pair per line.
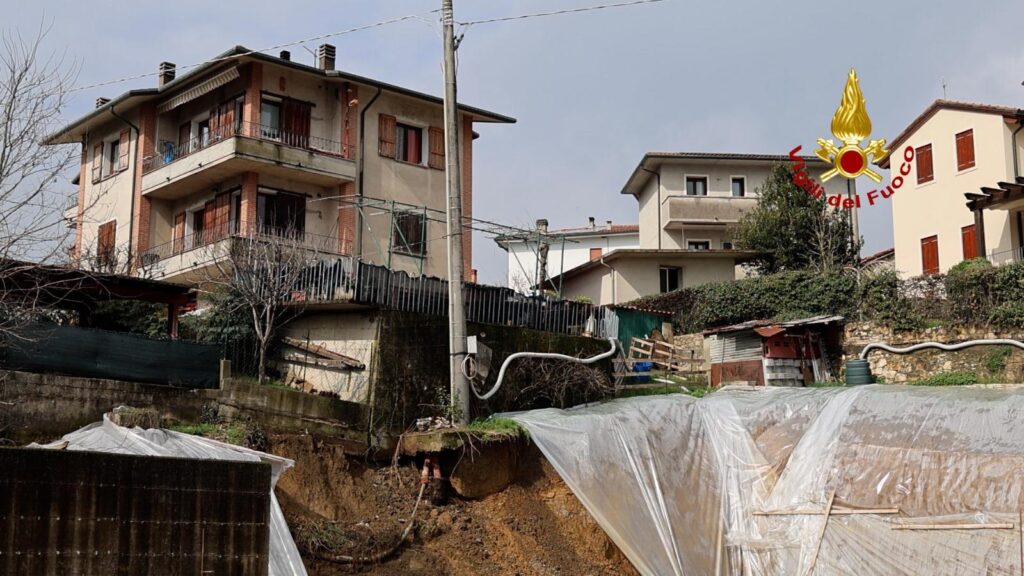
435,136
209,222
595,253
386,136
221,215
925,170
970,242
122,151
930,255
295,119
97,162
179,232
414,146
105,238
965,150
227,119
214,123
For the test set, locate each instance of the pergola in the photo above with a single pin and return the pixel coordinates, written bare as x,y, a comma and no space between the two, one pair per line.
46,286
1008,195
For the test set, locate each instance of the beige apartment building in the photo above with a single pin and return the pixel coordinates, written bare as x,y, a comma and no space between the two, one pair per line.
252,145
688,204
959,148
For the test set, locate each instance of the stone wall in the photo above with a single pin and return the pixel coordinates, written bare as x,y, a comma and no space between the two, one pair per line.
990,363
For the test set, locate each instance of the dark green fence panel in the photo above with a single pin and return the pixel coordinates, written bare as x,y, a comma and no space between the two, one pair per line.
636,324
115,355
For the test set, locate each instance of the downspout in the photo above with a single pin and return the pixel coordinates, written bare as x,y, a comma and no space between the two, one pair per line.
135,167
658,176
602,262
362,163
1013,144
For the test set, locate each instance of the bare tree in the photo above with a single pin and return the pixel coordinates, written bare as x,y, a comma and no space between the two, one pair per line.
34,89
265,275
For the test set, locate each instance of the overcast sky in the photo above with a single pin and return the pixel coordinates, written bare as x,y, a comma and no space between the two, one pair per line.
592,91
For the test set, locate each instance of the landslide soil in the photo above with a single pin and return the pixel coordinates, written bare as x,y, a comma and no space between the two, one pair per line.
533,526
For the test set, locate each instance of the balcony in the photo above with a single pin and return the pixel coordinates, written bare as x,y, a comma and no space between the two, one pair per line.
189,258
179,171
706,211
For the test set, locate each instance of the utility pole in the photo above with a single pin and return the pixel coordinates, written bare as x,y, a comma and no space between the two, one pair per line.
456,309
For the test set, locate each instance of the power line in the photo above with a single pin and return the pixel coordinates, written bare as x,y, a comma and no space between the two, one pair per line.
559,12
267,49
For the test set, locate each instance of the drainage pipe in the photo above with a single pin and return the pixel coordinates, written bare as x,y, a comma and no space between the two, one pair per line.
947,347
545,355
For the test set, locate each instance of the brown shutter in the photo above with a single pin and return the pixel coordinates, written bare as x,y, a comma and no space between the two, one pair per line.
969,242
295,118
930,255
221,215
386,134
122,151
214,123
436,142
965,150
105,239
227,120
209,222
97,162
925,169
179,232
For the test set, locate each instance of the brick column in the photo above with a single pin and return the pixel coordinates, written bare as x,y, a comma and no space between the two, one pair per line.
250,184
251,101
467,197
349,119
76,258
145,147
347,212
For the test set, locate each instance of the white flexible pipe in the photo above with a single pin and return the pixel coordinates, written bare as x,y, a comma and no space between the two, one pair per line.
548,355
939,345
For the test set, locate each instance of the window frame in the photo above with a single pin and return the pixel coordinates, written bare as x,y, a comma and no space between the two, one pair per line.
917,163
113,148
265,129
663,278
399,243
686,185
706,242
732,181
400,148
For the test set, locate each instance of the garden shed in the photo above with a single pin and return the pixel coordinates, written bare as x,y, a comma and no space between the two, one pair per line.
769,353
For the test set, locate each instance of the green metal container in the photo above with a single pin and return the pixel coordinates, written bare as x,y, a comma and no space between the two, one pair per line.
858,372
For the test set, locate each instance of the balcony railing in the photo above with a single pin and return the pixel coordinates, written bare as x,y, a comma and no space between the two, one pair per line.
260,231
1007,256
168,152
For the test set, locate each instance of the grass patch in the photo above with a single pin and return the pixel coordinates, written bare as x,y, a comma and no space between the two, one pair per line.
204,430
695,391
240,432
498,429
949,379
995,361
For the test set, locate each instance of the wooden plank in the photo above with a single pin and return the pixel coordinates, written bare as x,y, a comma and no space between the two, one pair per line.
821,535
836,511
990,526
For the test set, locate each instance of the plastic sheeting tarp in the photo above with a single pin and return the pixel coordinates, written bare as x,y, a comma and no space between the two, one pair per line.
676,481
106,436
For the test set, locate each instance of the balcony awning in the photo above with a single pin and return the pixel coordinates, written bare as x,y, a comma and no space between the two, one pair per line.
198,90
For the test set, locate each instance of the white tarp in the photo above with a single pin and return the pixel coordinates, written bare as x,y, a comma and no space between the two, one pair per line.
106,436
676,481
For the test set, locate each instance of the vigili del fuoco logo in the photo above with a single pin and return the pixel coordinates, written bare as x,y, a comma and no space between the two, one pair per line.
851,125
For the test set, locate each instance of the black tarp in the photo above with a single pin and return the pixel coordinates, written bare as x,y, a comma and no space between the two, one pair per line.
115,355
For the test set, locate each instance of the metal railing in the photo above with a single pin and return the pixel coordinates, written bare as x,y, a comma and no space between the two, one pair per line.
1007,256
169,152
236,229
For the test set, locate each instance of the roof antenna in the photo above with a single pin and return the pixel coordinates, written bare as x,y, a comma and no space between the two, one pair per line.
943,87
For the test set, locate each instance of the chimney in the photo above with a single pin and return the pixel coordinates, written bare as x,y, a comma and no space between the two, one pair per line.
542,225
325,56
593,223
609,224
286,55
101,101
167,70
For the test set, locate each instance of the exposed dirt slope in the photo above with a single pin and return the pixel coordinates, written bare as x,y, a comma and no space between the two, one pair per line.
535,526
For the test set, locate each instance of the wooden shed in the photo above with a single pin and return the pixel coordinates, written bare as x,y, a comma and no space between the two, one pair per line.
763,352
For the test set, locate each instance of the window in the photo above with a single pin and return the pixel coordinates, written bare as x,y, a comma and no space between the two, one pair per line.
930,255
698,245
112,158
739,186
670,278
204,133
270,119
409,234
965,150
105,245
969,241
281,213
925,173
198,226
726,245
409,143
595,253
696,186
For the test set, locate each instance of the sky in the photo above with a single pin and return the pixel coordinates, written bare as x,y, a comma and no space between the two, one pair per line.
592,91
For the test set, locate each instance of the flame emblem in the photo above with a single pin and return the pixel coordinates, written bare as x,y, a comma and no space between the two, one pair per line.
851,125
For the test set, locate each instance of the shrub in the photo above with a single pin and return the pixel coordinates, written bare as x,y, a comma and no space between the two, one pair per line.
949,379
995,362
